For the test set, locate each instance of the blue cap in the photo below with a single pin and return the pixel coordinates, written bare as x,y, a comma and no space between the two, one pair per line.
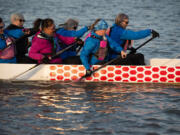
101,25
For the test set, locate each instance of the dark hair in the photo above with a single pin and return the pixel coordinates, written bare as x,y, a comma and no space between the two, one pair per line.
1,20
46,23
37,23
42,23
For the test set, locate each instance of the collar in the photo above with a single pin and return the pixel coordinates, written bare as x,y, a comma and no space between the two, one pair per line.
12,26
115,25
44,36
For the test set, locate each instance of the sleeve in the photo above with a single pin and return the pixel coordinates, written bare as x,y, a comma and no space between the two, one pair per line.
66,40
88,48
80,33
73,33
114,45
34,51
2,44
16,33
132,35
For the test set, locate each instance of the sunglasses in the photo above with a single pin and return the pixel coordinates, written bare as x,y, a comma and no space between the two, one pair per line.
21,20
75,27
126,22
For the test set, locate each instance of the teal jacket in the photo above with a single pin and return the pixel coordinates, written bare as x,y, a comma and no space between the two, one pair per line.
91,46
120,35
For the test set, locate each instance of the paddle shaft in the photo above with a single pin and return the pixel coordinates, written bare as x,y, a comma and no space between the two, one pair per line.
24,72
65,49
58,53
107,63
144,43
119,57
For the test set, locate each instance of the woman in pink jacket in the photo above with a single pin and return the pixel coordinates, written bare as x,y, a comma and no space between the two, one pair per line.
45,43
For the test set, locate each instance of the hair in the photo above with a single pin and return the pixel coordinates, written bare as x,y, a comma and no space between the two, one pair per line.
42,23
16,16
1,20
46,23
37,24
120,17
70,23
94,24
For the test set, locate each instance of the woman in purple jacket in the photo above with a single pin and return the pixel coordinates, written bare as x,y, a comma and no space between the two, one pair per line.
44,44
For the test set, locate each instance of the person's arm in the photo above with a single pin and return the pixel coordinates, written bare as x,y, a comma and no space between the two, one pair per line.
73,33
132,35
88,48
16,33
116,47
66,40
79,33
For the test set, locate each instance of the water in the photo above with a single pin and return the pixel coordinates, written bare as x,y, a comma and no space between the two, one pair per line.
65,108
53,108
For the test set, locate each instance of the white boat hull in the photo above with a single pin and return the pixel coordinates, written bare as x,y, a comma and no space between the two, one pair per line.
128,74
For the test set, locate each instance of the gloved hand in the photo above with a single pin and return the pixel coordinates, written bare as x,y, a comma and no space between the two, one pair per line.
154,34
133,50
79,41
26,31
88,73
123,54
46,60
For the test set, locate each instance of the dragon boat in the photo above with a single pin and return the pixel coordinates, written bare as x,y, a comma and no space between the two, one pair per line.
158,71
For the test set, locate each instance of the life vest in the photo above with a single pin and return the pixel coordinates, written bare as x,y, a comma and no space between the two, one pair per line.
126,45
9,51
22,44
102,51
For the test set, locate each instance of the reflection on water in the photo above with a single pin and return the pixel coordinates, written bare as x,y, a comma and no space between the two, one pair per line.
88,108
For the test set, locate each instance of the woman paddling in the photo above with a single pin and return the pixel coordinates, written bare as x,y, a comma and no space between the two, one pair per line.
124,37
70,34
45,43
95,49
17,31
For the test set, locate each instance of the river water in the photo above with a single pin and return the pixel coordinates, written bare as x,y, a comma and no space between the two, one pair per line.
54,108
68,108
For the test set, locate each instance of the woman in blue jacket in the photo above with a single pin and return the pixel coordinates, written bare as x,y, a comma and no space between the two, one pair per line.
5,57
69,35
17,31
120,34
96,47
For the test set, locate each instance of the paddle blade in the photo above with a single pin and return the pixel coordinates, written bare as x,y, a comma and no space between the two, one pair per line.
95,22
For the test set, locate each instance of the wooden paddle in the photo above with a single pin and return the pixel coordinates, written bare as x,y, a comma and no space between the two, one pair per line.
119,57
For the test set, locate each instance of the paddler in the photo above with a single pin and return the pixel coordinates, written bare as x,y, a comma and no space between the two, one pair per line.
96,47
124,37
69,34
